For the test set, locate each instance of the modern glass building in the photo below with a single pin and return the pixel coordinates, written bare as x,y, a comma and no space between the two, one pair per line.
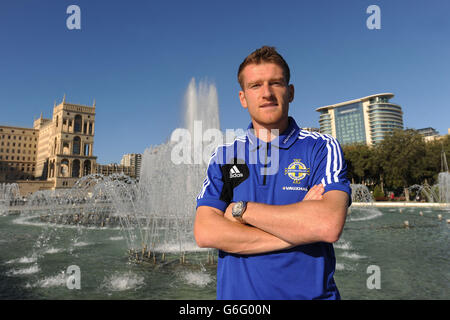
364,120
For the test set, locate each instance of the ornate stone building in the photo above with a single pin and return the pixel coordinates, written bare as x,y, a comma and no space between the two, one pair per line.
61,147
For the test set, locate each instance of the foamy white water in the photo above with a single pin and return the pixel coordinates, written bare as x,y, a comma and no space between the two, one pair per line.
116,238
53,281
197,278
174,247
366,215
344,266
124,281
23,260
343,244
340,266
353,256
30,270
81,244
53,250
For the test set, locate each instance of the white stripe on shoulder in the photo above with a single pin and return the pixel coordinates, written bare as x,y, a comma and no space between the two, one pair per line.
206,182
334,156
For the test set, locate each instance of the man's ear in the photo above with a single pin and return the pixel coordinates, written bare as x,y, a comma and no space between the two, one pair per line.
291,92
242,99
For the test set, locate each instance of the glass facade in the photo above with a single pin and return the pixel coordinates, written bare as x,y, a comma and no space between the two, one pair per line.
366,120
383,118
350,124
325,123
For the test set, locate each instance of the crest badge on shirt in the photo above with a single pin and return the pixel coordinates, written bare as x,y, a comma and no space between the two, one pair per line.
297,171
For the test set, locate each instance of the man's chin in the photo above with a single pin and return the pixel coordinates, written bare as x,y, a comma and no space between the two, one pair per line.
270,120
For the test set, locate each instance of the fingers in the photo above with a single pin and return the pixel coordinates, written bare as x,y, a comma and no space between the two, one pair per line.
312,194
315,193
228,213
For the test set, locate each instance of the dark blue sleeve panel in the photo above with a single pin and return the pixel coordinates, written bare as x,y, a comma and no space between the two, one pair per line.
330,166
212,187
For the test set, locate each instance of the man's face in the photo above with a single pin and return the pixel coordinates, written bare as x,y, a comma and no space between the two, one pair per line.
266,95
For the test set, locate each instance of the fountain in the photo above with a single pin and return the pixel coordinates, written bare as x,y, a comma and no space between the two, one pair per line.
362,198
360,193
9,197
162,210
438,193
431,194
444,187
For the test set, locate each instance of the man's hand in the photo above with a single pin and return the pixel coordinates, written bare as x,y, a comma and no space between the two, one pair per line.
315,193
229,215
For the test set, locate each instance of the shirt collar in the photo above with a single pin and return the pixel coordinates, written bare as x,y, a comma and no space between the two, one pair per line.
284,141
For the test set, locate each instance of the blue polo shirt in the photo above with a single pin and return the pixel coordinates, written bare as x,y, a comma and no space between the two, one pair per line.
280,172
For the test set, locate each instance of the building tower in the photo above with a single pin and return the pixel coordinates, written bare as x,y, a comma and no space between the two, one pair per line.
133,160
65,144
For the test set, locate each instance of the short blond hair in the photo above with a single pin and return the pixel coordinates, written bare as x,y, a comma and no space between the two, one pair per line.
264,54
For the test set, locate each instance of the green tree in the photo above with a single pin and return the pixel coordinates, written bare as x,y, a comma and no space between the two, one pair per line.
360,163
402,158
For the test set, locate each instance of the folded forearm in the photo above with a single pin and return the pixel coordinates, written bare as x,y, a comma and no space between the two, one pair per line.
286,221
212,230
249,240
302,222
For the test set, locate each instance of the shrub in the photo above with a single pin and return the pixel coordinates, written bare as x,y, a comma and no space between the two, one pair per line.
377,193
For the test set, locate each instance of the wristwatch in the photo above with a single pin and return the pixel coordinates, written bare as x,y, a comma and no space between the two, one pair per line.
238,210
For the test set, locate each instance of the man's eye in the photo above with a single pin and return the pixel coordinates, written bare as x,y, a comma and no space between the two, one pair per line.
253,86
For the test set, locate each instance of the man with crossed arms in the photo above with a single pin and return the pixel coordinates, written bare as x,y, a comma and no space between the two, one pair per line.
274,229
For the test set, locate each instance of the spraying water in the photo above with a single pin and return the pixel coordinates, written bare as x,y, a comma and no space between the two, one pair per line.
162,208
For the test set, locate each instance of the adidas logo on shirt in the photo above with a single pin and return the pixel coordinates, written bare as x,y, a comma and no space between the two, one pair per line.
235,173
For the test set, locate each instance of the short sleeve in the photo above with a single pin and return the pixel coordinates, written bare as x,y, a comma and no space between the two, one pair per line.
210,194
330,167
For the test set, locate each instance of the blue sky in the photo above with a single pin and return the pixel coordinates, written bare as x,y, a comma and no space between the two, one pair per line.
136,59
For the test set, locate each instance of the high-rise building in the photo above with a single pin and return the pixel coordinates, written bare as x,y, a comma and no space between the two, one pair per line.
364,120
133,160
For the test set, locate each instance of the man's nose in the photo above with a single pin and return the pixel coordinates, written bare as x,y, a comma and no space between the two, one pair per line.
267,91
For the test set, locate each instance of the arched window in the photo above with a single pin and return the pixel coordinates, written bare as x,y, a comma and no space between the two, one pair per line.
77,124
76,145
51,172
64,169
75,168
66,149
87,168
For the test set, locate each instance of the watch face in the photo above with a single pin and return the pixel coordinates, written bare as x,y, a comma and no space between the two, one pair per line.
237,208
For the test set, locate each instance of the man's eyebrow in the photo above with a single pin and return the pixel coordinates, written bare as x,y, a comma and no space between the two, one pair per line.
277,79
270,80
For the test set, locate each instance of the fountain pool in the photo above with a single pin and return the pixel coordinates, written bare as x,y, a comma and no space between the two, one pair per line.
34,255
